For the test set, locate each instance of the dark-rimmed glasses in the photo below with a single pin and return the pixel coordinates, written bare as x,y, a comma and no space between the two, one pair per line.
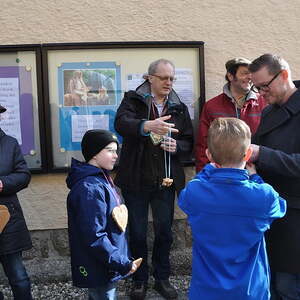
264,87
165,78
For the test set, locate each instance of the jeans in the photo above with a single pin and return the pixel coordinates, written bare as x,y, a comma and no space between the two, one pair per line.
17,276
103,292
162,205
285,286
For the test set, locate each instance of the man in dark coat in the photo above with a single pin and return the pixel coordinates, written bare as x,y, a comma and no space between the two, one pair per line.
149,162
15,238
276,146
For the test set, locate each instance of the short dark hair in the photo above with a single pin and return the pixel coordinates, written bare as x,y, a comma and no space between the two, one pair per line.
232,65
228,140
274,64
153,66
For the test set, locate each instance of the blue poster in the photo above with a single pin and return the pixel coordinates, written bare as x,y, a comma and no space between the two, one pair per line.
89,95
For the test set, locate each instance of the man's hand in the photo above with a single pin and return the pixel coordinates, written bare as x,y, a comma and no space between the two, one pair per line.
255,153
169,144
1,186
251,168
159,126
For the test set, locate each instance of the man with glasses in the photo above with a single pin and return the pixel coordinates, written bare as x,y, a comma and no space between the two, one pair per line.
276,153
148,156
237,100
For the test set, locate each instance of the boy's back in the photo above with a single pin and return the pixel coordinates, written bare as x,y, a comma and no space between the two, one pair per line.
228,214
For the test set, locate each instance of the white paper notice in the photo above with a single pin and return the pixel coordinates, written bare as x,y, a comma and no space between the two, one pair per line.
9,98
82,123
134,80
184,88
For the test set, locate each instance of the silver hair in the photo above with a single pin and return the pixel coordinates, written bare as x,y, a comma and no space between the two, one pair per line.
153,66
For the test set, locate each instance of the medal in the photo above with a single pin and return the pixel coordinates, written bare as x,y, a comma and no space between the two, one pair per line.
156,138
120,215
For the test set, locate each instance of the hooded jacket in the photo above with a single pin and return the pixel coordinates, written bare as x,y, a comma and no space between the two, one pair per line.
99,252
228,212
15,176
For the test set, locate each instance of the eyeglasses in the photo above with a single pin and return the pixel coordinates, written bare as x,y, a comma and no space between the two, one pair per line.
165,78
110,150
264,87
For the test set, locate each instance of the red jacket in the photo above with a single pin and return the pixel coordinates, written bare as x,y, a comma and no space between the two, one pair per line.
223,106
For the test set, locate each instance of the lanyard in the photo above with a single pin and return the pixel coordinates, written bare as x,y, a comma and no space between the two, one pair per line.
113,188
167,158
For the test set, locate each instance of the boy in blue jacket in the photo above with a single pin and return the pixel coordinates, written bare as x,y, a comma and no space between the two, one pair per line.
97,219
229,209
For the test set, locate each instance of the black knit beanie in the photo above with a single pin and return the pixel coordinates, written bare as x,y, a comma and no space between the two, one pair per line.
94,141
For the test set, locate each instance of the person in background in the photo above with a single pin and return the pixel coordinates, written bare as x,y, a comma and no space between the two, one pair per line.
229,209
15,237
157,136
276,152
237,100
78,90
99,252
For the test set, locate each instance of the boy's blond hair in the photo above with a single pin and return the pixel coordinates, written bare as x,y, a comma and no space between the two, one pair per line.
228,140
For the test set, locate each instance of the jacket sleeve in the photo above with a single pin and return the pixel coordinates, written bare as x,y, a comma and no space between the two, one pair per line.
278,205
91,219
126,122
19,177
186,138
183,200
188,192
201,143
279,162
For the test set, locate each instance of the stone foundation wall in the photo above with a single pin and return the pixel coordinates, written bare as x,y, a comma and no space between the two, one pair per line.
49,259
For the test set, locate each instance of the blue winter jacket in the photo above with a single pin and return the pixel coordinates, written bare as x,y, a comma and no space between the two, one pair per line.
229,213
99,252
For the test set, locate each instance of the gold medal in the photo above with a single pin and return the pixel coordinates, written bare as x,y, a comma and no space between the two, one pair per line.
156,138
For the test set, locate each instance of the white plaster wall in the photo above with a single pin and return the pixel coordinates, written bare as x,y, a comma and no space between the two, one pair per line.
228,28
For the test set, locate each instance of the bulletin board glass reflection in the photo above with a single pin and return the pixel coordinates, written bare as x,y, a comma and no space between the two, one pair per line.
86,86
19,95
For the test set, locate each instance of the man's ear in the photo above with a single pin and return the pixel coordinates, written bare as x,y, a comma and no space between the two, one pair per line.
208,154
248,154
150,78
230,76
285,74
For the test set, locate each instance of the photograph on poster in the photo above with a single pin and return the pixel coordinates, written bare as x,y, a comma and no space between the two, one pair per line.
89,87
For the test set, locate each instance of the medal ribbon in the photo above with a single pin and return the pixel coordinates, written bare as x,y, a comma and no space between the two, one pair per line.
113,188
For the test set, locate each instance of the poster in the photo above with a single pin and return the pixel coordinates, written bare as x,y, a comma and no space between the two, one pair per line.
16,97
89,95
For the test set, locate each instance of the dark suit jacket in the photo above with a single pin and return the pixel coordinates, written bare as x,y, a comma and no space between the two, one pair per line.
279,165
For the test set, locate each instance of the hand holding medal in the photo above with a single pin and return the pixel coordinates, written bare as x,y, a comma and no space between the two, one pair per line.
159,126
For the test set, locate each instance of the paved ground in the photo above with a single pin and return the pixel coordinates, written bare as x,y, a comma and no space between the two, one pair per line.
65,290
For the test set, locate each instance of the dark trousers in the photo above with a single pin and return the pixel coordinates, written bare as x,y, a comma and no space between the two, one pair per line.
285,286
162,205
17,276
